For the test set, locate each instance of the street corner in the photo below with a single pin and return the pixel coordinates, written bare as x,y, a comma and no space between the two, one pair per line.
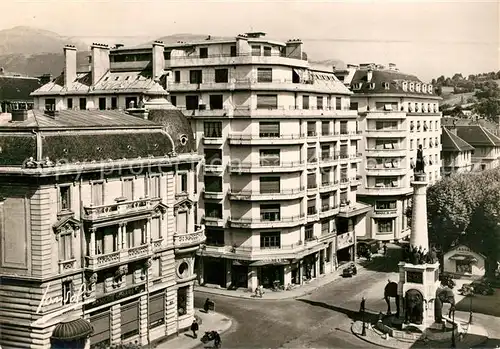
376,337
214,321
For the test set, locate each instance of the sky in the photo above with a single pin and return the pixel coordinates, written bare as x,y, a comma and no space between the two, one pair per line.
426,38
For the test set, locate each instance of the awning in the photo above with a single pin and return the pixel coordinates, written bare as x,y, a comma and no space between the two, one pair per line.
262,262
70,330
463,257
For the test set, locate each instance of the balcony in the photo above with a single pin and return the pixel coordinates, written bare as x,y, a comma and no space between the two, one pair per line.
356,180
328,211
217,195
328,160
265,139
213,220
328,186
119,209
213,169
344,182
266,167
290,112
312,188
68,265
400,152
386,133
385,115
386,171
384,191
213,140
191,239
259,223
251,195
329,137
101,261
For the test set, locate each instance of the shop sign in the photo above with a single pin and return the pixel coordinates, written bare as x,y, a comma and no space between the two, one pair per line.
115,296
344,240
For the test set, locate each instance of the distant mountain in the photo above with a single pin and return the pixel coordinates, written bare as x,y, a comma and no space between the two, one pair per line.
27,40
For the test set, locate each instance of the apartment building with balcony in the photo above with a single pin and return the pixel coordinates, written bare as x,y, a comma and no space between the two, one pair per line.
281,153
97,221
106,83
397,113
456,153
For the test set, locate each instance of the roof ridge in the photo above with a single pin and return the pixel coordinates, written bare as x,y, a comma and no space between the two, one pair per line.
451,138
486,133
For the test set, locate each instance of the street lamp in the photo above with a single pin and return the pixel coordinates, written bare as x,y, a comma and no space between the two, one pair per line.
363,331
470,294
453,344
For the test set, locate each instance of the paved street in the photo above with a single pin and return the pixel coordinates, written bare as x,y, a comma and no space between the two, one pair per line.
319,319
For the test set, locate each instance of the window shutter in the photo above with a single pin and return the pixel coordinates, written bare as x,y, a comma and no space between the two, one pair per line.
101,324
157,308
267,101
130,317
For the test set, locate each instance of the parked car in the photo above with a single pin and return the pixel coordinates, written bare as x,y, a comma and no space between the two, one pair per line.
364,246
349,270
447,280
466,289
482,287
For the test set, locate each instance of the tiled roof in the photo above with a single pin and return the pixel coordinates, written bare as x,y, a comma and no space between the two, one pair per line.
177,125
451,142
15,88
394,78
490,126
111,82
478,136
325,81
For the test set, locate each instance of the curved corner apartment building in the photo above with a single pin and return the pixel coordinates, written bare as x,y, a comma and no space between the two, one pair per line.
397,113
282,159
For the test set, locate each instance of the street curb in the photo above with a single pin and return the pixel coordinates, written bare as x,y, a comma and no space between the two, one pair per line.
366,340
207,290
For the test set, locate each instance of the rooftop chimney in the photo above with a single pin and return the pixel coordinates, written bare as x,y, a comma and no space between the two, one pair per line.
369,75
69,65
100,61
19,115
158,62
119,45
293,49
45,78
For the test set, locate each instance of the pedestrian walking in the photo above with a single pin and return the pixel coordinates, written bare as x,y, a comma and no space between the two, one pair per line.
195,327
205,307
362,305
217,341
385,248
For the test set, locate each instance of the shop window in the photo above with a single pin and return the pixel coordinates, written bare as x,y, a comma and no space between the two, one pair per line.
270,240
156,309
182,300
102,332
463,267
129,319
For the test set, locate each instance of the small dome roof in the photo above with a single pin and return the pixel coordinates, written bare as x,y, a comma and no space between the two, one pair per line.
72,329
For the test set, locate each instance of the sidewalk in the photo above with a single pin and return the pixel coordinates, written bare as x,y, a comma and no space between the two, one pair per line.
297,291
209,322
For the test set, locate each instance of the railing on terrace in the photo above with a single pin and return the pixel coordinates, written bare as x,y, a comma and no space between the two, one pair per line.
291,107
198,236
265,193
92,212
247,165
260,220
330,183
265,136
229,55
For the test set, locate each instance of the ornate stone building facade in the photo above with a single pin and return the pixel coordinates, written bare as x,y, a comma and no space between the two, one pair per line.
96,220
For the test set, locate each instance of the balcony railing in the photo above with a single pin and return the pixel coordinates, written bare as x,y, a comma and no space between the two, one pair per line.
191,239
243,222
256,194
250,167
119,208
265,138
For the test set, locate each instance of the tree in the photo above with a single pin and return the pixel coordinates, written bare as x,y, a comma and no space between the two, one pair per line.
489,108
457,77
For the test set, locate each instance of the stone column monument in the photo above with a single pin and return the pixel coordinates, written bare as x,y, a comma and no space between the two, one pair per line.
419,270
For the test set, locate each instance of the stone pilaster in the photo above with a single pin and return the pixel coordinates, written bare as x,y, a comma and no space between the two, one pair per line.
115,324
143,320
171,310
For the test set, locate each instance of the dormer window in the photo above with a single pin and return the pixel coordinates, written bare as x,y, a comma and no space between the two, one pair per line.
424,88
386,85
405,86
411,108
417,87
429,89
356,86
371,86
412,86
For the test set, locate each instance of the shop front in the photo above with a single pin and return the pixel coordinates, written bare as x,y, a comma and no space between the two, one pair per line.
345,247
214,271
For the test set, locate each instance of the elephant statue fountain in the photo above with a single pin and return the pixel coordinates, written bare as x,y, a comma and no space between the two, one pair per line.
443,295
414,307
391,291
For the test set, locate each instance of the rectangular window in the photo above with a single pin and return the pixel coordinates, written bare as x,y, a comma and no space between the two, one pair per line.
156,309
325,202
311,155
338,103
267,101
343,173
183,183
309,232
167,55
386,182
311,206
325,128
233,51
270,212
344,151
325,176
325,152
131,102
221,75
305,102
153,189
195,76
216,102
173,100
385,205
343,197
182,294
114,103
129,235
50,104
128,189
213,210
386,125
269,129
65,198
325,227
192,102
66,247
264,75
386,144
70,103
463,267
101,323
83,103
267,51
311,128
97,194
270,239
102,103
129,320
213,184
67,291
353,106
269,185
384,225
213,157
255,50
155,228
319,102
177,76
213,129
203,52
270,157
215,237
311,180
343,127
